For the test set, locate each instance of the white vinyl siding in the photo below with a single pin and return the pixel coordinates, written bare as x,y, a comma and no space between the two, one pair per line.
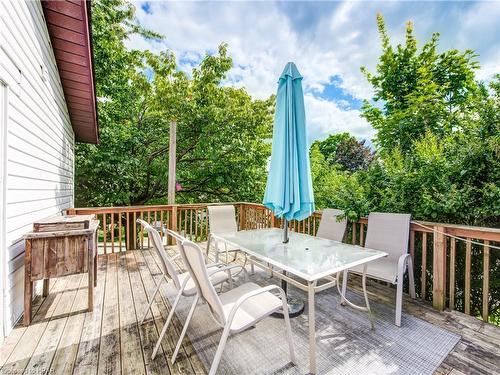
40,139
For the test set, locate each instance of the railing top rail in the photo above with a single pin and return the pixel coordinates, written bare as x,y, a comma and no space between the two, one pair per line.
148,207
466,231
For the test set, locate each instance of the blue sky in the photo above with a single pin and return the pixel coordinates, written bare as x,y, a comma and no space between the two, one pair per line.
329,41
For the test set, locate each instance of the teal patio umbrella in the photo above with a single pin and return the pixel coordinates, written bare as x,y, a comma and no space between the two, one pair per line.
289,192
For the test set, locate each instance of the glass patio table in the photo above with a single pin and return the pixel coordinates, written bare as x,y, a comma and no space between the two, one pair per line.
311,259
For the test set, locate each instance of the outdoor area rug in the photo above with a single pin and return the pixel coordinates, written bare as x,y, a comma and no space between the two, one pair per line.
345,342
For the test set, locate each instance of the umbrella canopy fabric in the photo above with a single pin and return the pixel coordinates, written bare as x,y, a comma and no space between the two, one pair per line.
289,191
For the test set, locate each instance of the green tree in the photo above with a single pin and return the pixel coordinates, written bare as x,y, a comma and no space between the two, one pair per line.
337,188
346,152
418,90
221,131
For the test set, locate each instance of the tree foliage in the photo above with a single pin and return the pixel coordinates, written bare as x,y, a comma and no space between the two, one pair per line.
346,152
437,140
437,146
419,90
221,131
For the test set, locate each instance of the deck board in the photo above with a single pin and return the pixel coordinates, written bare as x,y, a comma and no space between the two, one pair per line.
25,347
87,356
67,339
49,342
185,363
109,350
132,357
153,322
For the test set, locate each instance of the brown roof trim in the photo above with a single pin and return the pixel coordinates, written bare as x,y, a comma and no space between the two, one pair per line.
68,23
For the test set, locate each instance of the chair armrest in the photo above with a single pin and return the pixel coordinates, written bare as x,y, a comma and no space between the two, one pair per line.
401,264
254,293
217,264
228,268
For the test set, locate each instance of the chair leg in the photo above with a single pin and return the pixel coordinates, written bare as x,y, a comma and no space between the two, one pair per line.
220,350
399,299
288,328
367,301
167,323
344,286
184,329
411,278
152,300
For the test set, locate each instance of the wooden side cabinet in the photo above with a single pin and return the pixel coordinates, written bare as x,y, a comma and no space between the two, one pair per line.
59,253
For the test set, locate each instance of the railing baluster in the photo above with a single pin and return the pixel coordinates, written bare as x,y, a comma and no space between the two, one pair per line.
206,222
486,279
134,225
128,245
362,234
120,231
149,222
191,224
105,232
354,233
196,225
412,247
141,233
161,224
468,251
453,243
112,229
424,265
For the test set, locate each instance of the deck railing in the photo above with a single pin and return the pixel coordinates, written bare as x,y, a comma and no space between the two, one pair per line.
456,266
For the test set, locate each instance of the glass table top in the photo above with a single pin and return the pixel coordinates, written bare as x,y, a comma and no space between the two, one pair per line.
308,257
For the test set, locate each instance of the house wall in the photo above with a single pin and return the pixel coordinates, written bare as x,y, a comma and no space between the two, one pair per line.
39,142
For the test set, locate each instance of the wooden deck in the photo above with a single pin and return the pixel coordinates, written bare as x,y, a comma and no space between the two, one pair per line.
66,339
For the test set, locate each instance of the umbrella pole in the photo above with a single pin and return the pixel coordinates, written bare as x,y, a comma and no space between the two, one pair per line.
285,230
295,305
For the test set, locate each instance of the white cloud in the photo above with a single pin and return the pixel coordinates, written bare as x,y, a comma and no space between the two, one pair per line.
325,40
326,117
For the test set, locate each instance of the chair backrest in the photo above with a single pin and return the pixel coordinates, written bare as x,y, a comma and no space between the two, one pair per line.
388,232
194,260
178,237
222,219
329,227
166,264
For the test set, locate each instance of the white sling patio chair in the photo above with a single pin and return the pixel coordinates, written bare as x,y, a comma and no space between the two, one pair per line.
235,310
222,219
389,232
329,227
181,281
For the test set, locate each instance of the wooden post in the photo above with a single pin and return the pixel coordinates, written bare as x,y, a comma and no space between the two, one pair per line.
173,224
28,284
172,162
242,217
439,269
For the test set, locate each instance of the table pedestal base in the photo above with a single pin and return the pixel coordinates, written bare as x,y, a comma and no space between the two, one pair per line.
295,308
295,305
